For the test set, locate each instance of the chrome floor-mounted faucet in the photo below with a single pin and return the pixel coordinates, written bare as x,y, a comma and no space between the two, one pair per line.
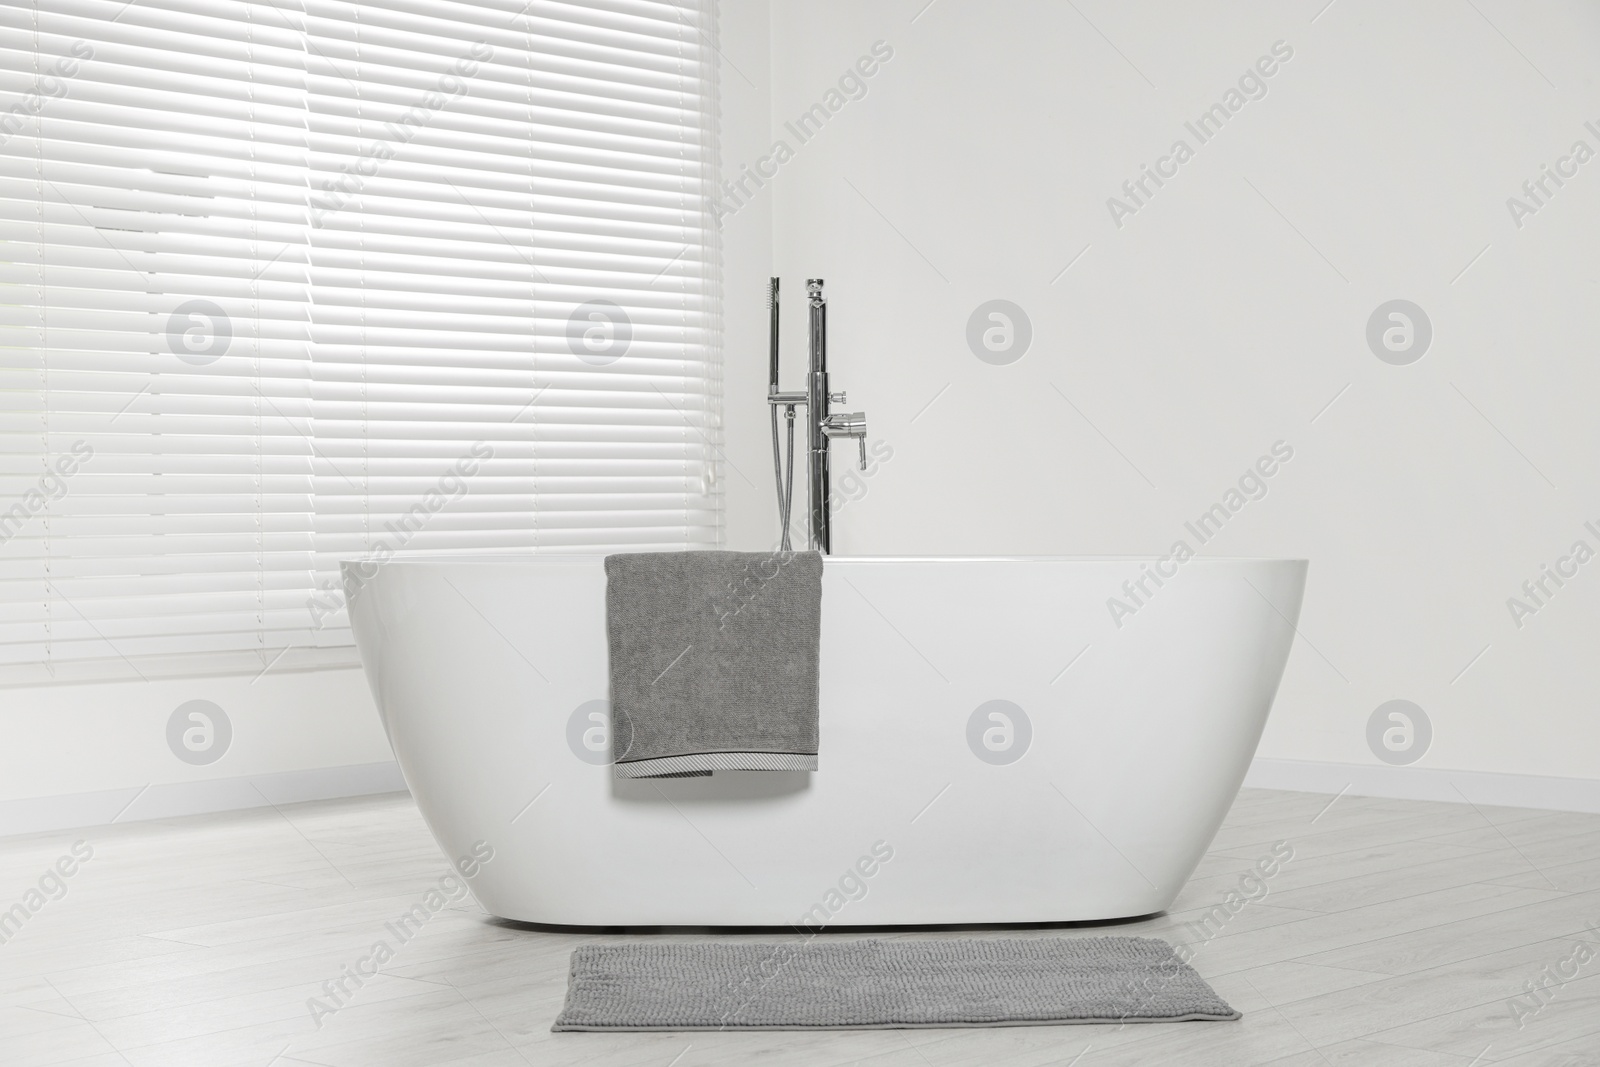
821,425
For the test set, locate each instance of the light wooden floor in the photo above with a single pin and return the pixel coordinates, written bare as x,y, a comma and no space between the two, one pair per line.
1397,936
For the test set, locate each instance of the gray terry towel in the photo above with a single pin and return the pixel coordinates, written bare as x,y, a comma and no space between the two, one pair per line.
713,661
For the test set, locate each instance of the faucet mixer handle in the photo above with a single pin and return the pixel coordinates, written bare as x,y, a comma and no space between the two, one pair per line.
849,424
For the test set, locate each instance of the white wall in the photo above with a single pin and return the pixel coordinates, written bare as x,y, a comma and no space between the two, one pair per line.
1222,317
77,755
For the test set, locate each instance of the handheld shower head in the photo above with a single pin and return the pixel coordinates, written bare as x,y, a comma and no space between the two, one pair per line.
772,336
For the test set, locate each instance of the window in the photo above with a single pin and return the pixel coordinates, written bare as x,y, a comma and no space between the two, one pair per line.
293,283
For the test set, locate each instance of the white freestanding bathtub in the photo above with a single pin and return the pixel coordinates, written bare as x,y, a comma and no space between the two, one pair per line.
995,748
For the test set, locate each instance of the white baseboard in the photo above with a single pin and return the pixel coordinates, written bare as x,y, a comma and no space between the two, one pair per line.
1427,783
42,814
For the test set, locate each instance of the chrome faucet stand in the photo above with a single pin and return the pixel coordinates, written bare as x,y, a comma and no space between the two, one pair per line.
821,424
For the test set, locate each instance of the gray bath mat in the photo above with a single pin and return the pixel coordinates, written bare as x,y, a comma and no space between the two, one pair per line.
812,984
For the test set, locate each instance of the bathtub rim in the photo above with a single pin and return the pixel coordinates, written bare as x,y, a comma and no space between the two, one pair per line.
588,557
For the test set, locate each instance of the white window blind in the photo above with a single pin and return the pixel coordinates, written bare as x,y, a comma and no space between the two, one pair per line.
153,212
297,282
511,253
